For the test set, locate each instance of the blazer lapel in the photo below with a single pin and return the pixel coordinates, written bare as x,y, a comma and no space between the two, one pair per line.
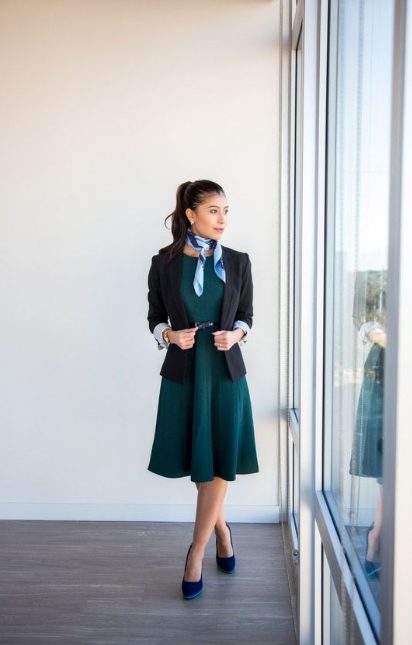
174,275
228,290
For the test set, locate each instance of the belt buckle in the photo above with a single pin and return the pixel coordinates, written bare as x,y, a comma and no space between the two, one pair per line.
204,325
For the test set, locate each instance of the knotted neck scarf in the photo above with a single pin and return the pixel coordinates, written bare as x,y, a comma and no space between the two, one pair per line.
202,244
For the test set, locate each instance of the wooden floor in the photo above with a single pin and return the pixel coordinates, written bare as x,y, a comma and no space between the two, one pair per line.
118,583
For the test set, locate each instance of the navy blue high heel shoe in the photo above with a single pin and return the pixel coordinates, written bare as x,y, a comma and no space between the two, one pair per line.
226,564
372,569
191,589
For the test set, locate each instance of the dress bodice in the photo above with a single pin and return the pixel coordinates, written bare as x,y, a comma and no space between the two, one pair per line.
208,305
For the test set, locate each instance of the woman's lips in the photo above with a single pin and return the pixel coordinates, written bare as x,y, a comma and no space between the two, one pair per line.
219,230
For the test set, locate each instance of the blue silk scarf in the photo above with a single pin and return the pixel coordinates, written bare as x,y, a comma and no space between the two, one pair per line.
202,244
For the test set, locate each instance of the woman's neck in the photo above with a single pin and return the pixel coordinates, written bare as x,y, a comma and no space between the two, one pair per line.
188,250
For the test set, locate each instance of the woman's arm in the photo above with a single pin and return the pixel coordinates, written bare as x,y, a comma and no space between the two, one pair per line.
372,331
157,315
245,307
223,340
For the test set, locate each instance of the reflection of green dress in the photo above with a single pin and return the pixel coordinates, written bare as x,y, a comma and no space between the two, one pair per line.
204,426
367,450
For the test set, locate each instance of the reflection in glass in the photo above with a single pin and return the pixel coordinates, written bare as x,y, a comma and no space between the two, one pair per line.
359,95
367,448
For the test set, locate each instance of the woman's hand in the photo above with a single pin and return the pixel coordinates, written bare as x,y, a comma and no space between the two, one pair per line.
224,340
378,336
184,338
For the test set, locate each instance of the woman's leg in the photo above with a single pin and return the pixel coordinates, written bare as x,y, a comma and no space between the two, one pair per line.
224,545
209,502
375,533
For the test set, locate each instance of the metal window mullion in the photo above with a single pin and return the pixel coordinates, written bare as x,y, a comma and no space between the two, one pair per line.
397,528
307,328
283,254
328,378
319,590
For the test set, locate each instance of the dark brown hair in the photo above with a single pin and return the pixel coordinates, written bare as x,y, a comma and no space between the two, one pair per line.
188,195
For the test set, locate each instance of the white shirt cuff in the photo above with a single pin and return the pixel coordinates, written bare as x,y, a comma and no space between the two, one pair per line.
157,333
366,328
240,324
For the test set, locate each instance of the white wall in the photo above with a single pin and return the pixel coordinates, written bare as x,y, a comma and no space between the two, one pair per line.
106,106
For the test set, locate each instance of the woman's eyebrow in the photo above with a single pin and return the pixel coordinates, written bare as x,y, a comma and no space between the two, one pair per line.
212,206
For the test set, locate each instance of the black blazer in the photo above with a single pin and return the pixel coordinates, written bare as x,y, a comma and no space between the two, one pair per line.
165,304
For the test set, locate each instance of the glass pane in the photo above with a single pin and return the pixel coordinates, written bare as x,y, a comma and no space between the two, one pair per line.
338,621
296,490
358,172
333,619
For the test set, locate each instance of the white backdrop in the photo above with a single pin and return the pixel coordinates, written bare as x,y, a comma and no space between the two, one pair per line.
106,106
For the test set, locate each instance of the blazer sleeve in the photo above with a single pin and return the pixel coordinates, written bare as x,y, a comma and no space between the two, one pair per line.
245,306
157,310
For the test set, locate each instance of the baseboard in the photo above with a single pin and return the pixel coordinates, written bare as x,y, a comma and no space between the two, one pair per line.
130,512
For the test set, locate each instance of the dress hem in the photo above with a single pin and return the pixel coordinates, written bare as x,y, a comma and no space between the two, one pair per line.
189,474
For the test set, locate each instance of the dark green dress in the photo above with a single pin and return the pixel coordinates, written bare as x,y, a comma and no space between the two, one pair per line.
367,448
204,426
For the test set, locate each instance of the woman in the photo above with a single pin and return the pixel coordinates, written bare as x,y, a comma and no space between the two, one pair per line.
200,309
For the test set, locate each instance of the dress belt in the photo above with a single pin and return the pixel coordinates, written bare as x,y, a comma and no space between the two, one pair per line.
203,324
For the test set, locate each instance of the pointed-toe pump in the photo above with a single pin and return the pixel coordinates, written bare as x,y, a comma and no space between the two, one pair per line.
372,569
226,564
191,589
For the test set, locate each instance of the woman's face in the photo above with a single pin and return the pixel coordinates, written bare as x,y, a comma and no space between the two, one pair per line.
209,218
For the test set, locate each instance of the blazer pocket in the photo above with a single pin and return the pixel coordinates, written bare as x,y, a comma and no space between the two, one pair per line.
235,362
174,363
